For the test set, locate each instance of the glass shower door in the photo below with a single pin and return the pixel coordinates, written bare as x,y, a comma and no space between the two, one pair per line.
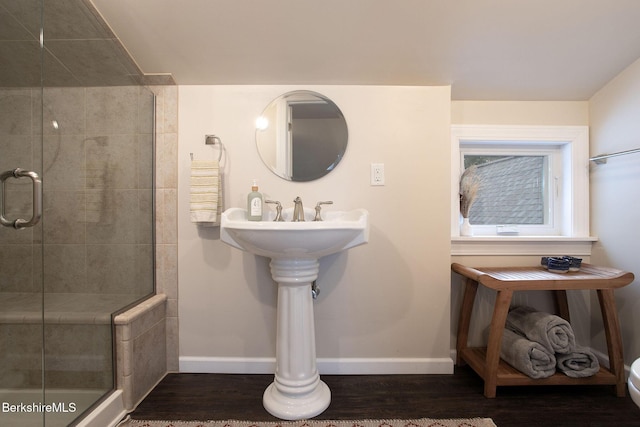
21,265
76,207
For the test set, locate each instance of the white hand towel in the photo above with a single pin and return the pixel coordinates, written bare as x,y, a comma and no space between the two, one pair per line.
206,192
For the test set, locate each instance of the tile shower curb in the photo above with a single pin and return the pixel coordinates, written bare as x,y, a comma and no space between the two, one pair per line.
141,349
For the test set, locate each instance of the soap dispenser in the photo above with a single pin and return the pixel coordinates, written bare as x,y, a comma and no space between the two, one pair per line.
254,203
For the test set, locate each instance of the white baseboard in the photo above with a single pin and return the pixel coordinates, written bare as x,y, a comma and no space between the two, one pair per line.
385,366
326,366
227,365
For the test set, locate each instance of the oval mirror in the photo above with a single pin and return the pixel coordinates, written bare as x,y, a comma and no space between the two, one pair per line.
301,135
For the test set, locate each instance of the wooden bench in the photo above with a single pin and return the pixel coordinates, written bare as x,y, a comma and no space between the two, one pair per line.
486,362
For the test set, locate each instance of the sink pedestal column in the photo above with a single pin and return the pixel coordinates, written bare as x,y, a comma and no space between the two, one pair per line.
297,391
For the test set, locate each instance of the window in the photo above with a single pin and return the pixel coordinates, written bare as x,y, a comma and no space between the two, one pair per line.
533,180
518,192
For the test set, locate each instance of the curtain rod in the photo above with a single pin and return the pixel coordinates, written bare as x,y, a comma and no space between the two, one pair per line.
602,158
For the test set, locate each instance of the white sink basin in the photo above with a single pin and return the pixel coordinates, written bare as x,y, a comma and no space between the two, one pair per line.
294,248
307,240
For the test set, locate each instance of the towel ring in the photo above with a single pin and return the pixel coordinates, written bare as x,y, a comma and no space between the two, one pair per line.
211,140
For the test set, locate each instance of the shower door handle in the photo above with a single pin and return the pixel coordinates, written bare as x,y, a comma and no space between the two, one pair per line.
37,199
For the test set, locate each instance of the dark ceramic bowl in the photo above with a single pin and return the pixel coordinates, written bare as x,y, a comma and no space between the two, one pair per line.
558,265
574,263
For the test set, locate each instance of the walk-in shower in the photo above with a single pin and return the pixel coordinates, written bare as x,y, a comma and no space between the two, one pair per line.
74,117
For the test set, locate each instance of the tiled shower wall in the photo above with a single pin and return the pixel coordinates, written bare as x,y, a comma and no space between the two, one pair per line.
17,128
97,151
147,334
167,212
97,197
20,334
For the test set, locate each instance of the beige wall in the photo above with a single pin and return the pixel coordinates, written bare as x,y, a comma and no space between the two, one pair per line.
615,204
386,302
377,301
530,113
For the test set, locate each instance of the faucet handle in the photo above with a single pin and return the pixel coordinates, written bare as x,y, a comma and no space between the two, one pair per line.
278,209
318,207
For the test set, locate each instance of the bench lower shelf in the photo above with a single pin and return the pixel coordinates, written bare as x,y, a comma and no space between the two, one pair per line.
509,376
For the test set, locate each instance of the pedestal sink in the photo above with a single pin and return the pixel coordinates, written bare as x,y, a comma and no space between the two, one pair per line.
295,248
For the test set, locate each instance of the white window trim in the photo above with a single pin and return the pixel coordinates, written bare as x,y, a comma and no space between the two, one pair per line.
575,234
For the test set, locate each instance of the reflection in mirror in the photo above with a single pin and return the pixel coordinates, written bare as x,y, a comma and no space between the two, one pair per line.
301,136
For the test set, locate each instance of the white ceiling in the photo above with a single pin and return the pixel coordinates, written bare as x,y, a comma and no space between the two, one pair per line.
486,49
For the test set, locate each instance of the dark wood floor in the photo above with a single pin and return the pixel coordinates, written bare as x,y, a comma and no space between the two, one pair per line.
225,396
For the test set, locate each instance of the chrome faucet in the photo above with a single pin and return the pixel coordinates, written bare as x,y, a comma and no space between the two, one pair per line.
318,207
278,217
298,210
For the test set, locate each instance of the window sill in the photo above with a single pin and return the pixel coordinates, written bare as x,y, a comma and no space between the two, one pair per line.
522,245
